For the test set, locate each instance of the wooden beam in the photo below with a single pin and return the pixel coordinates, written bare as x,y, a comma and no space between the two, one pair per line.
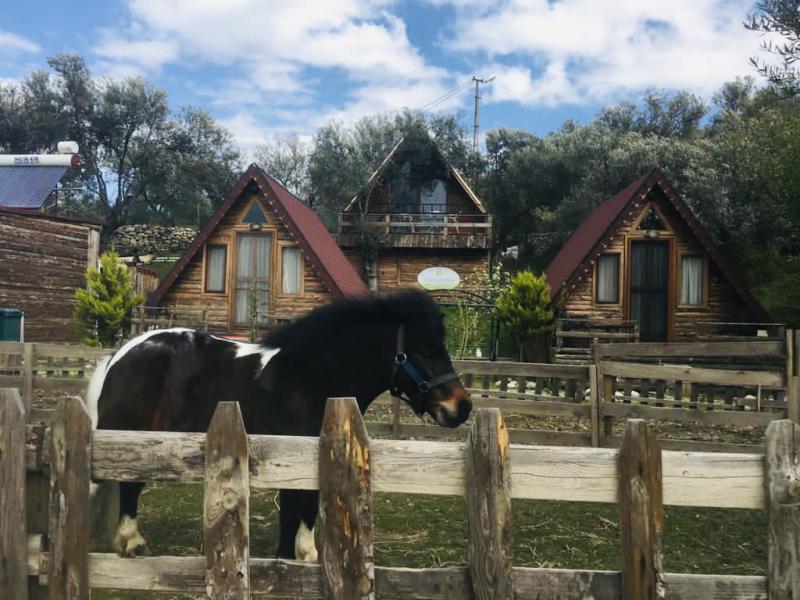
70,455
641,513
693,374
27,375
345,502
13,534
489,507
753,347
226,505
783,508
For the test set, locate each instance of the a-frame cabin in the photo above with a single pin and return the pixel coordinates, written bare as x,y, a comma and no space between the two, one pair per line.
262,251
643,256
423,213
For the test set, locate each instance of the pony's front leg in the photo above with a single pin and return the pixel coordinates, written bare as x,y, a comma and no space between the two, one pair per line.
298,516
128,542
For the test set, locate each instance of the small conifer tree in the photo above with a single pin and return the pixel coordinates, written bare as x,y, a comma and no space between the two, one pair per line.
524,306
103,309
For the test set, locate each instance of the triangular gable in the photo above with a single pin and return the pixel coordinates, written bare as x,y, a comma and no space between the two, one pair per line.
305,226
586,242
454,173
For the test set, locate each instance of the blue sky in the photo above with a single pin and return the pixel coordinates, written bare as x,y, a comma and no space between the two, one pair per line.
266,67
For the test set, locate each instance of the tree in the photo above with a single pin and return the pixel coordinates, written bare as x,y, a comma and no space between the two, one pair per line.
139,160
103,310
782,18
287,160
525,307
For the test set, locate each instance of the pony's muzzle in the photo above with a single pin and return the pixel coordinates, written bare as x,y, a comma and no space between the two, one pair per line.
454,406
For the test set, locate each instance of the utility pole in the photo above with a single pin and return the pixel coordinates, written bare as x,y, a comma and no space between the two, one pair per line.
478,82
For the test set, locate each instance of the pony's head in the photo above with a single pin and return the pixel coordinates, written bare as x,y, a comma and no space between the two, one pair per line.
422,373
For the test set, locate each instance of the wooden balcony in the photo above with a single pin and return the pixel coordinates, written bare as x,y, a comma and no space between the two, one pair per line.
408,230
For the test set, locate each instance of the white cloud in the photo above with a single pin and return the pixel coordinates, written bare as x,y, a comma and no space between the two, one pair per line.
591,50
11,42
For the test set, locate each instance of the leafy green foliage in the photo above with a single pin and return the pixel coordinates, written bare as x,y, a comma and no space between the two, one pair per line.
781,17
523,306
103,311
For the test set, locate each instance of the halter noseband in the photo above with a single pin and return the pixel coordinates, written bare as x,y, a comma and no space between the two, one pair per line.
423,385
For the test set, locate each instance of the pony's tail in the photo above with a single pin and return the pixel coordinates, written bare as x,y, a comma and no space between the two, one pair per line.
95,388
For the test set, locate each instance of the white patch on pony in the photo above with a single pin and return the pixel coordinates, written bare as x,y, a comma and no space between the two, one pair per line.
305,548
128,541
243,350
139,339
95,389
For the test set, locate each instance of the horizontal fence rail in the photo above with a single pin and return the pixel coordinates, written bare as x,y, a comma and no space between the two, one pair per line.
487,469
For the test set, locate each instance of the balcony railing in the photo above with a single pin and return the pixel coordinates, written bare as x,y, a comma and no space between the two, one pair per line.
425,230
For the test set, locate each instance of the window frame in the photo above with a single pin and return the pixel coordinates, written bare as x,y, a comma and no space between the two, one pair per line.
704,286
224,289
596,291
281,247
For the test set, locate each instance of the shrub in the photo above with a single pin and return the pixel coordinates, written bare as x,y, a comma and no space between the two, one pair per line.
103,310
523,306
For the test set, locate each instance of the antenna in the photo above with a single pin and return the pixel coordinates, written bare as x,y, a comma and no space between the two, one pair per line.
478,82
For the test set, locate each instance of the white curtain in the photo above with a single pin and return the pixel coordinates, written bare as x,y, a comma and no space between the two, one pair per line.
215,268
608,278
433,197
291,266
692,284
253,259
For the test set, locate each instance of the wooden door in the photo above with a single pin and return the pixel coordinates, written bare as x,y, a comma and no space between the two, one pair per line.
649,289
253,276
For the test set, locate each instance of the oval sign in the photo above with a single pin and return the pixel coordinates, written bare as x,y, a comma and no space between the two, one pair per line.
438,278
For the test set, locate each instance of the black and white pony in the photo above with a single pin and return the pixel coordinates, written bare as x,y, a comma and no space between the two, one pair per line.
171,380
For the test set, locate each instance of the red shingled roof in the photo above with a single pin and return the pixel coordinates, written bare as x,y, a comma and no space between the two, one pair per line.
585,242
318,246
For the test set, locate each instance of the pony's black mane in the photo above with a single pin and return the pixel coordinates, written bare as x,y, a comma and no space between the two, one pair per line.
323,323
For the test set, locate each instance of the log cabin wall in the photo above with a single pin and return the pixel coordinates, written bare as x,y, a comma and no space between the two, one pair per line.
42,262
189,289
721,301
398,269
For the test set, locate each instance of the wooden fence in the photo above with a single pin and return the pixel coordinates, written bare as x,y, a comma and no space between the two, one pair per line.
347,467
573,338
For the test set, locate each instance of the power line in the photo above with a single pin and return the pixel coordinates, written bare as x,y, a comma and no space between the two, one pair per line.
445,96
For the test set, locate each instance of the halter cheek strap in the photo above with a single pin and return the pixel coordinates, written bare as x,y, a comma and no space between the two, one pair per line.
423,385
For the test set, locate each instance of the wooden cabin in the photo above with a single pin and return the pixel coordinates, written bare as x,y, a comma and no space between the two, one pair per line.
419,212
642,256
43,261
263,253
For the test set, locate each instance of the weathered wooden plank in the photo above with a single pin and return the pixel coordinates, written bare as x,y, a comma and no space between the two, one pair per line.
691,349
226,505
595,400
783,507
712,417
693,374
70,454
13,534
641,513
345,502
489,506
542,408
516,369
793,400
275,578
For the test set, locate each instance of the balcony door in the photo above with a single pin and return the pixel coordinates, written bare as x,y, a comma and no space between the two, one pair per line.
649,281
253,277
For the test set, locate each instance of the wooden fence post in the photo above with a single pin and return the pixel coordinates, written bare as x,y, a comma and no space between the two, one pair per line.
226,505
345,502
594,396
641,513
793,399
783,508
488,492
70,455
396,418
27,375
13,534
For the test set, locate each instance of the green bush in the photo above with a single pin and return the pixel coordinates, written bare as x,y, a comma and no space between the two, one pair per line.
103,310
523,306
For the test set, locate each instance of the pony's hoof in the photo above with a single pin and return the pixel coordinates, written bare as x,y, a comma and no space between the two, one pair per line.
128,542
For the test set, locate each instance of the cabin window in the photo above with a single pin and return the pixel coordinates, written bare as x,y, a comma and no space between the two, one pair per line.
693,281
215,268
255,216
433,197
404,196
292,268
608,278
